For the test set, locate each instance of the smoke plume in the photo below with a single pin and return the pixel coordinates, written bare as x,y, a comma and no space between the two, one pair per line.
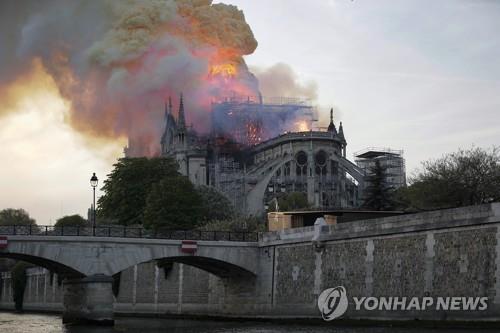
116,62
281,80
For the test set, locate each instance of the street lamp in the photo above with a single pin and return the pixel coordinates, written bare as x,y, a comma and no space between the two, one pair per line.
93,183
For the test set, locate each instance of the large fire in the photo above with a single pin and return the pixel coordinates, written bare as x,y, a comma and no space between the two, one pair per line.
225,70
133,56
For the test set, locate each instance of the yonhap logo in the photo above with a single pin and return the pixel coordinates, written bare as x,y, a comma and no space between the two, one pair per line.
332,303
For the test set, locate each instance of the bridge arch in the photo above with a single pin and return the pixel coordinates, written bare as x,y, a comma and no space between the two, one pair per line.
87,256
224,262
53,266
219,268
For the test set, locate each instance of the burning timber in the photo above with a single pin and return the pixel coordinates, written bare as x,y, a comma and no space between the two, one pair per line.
260,149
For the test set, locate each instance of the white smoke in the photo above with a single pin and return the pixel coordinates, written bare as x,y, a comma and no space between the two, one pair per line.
281,80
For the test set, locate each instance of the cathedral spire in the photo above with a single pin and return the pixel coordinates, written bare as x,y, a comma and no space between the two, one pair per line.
181,121
331,127
165,144
166,110
341,132
342,138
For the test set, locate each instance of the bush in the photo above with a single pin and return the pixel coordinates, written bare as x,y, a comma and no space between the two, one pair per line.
290,201
215,205
71,221
237,223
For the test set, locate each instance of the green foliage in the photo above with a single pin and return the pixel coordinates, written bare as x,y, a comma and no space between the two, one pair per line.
19,278
128,186
215,205
236,223
173,203
290,201
11,216
71,221
378,195
467,177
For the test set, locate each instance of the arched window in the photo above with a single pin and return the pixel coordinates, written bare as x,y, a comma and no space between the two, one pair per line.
301,163
320,160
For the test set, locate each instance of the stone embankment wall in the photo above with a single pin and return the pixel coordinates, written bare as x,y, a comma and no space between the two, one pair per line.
448,253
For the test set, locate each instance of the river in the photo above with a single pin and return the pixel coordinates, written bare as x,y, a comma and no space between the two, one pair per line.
45,323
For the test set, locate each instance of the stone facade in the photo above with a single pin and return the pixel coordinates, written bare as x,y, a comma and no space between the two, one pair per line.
252,174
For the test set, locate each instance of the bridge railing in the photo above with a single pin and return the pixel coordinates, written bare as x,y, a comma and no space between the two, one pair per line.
128,232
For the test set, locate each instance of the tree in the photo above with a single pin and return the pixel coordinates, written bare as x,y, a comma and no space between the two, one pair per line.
236,223
463,178
8,217
378,194
11,216
291,201
128,186
173,203
216,206
71,221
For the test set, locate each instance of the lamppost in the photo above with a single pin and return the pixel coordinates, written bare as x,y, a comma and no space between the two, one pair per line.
93,183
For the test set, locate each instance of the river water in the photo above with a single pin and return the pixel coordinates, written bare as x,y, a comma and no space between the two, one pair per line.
43,323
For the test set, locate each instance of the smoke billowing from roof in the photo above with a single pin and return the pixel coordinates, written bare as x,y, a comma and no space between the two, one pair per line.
281,80
117,61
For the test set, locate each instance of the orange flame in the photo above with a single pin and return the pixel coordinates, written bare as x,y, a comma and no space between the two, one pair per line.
225,70
302,126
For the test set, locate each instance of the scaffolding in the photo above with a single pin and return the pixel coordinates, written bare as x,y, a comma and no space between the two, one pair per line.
390,159
252,120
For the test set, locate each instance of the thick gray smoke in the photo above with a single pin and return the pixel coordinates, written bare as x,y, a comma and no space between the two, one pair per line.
118,61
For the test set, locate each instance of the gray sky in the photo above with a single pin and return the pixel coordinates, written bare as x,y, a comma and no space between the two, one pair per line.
422,75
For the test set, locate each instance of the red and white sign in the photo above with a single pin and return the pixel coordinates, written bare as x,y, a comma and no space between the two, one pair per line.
189,246
3,242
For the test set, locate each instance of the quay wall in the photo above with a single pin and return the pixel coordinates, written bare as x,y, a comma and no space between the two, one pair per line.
446,253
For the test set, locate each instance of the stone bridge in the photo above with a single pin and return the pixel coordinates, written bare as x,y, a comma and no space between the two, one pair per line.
88,264
450,254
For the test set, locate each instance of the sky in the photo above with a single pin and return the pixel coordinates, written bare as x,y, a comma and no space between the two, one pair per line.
417,75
